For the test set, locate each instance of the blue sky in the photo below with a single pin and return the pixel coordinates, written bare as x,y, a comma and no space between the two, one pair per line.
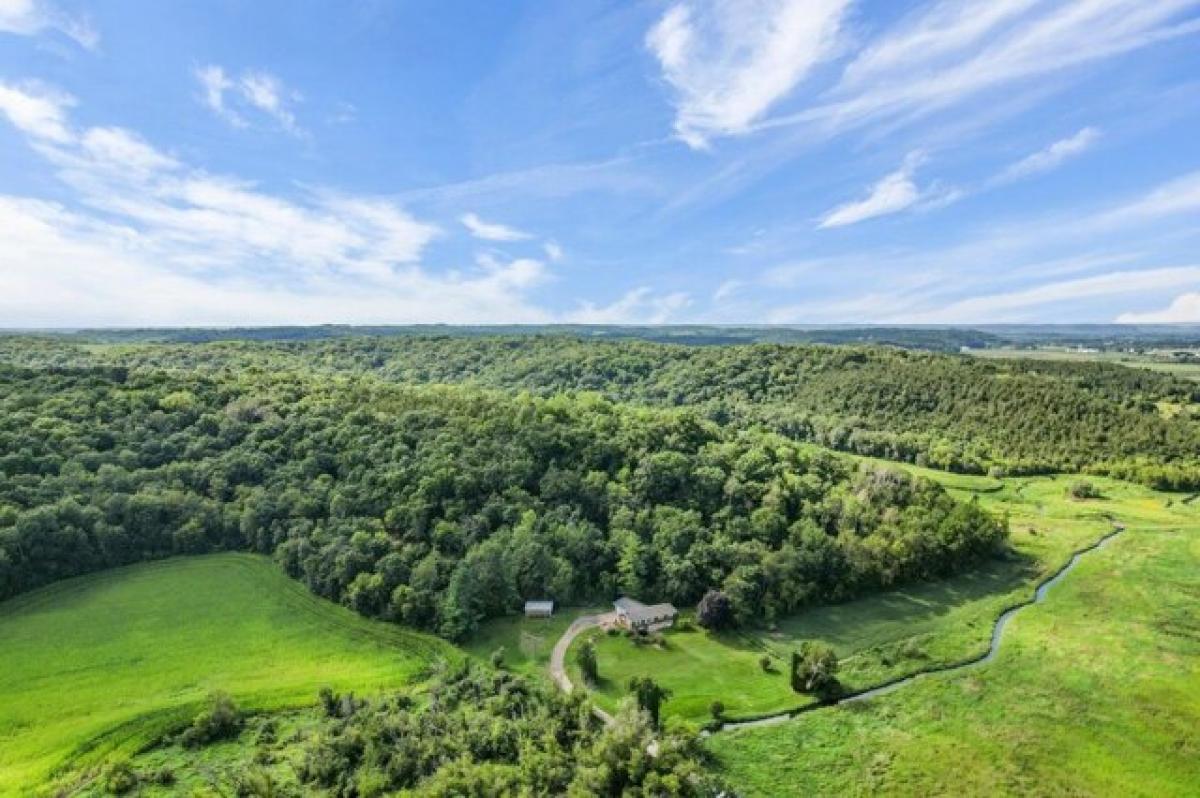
734,161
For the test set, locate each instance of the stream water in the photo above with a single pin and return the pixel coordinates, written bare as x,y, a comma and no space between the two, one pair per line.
1039,595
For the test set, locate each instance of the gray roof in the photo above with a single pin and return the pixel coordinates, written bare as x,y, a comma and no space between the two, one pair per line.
637,612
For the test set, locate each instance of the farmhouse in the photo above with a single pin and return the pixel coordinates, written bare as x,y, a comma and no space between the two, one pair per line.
642,617
539,609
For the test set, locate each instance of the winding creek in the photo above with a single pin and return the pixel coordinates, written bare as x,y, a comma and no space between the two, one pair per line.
1039,595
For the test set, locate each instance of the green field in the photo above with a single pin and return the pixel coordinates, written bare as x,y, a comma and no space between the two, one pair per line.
1095,692
897,632
102,665
1149,360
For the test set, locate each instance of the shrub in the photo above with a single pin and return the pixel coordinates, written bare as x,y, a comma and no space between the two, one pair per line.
1082,489
585,658
715,611
219,721
717,708
119,778
814,669
498,658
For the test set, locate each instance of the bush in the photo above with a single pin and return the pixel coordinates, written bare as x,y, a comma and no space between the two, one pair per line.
220,721
119,778
1082,489
715,611
498,658
585,658
814,669
717,708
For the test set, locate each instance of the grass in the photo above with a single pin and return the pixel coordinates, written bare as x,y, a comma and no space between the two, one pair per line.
103,665
527,642
697,667
1093,693
897,632
1148,360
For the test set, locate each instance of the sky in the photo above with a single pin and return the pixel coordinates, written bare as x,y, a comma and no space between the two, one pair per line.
572,161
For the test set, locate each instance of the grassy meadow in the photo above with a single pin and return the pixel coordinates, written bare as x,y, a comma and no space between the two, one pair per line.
897,632
102,665
1093,693
1149,360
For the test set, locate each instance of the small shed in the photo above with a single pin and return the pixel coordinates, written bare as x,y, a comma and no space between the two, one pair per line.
539,609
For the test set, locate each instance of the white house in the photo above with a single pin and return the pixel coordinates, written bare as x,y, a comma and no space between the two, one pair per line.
642,617
539,609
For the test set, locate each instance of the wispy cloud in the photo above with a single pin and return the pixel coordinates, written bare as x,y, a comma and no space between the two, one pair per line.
553,251
896,192
1024,304
638,306
1049,158
253,92
1184,308
156,240
951,52
36,110
729,62
492,231
32,17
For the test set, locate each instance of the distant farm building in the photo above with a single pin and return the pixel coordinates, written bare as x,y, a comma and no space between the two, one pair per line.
539,609
642,617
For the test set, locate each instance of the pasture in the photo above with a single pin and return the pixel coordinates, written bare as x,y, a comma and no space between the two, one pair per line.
1093,692
897,632
102,665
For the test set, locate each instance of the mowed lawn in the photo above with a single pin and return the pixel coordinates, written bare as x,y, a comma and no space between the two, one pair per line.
101,665
896,632
697,667
1094,692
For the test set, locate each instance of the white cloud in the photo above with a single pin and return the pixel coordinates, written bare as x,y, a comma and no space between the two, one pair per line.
59,268
956,50
32,17
1184,308
894,193
730,61
1016,305
233,99
158,241
490,231
37,112
1050,157
638,306
727,289
1181,195
553,251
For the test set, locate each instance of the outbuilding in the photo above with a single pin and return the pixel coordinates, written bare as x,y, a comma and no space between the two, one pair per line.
539,609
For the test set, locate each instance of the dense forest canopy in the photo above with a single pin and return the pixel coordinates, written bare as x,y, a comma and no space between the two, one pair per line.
945,411
440,506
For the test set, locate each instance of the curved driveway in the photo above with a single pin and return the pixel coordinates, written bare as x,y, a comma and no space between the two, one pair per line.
558,669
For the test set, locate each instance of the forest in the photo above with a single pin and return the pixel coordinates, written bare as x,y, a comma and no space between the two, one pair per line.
945,411
441,506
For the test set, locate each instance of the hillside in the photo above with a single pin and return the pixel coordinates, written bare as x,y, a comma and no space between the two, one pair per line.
946,411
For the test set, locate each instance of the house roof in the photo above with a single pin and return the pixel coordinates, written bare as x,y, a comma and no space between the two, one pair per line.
637,612
539,606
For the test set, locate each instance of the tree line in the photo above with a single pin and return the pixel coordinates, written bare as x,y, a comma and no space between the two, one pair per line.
441,506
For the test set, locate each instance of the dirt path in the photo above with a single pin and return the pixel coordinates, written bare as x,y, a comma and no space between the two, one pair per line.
558,668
